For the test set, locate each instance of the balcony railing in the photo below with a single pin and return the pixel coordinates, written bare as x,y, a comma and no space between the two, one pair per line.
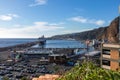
106,56
105,66
111,45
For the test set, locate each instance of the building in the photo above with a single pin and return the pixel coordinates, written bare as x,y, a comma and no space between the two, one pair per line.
57,58
110,56
38,53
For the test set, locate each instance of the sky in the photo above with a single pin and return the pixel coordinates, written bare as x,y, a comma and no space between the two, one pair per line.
34,18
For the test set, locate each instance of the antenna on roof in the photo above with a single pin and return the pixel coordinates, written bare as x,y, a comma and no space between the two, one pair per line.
119,23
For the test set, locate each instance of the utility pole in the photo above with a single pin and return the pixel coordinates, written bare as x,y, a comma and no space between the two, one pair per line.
87,45
119,23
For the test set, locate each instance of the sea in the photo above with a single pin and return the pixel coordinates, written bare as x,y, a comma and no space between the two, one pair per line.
5,42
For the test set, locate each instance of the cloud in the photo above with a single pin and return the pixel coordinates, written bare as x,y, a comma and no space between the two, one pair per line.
34,31
38,2
8,17
79,19
86,20
99,22
55,24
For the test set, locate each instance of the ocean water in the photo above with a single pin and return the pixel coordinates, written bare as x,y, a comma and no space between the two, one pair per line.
5,42
49,43
64,44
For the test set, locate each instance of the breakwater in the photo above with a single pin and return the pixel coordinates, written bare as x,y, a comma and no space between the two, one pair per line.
19,46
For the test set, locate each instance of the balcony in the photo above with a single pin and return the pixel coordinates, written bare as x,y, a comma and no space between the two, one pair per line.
105,67
106,56
111,45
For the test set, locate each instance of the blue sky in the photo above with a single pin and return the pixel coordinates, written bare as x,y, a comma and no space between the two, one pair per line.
34,18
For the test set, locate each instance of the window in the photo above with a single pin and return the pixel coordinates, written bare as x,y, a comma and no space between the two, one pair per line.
106,62
106,51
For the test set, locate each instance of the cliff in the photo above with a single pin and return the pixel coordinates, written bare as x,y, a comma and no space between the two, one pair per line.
111,33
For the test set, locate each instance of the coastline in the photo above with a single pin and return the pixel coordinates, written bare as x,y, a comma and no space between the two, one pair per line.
4,51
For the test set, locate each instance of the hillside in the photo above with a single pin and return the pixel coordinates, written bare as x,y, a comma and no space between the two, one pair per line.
91,34
109,32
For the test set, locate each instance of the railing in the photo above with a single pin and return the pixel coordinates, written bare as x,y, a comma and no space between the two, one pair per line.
105,66
106,56
111,45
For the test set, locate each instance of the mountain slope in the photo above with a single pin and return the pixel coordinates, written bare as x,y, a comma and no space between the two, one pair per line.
109,32
91,34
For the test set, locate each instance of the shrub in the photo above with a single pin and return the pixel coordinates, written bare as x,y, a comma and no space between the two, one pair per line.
88,71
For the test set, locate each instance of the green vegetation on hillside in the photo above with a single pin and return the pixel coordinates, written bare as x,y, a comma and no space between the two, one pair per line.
88,71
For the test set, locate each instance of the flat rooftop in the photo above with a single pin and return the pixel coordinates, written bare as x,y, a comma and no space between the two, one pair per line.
93,53
57,55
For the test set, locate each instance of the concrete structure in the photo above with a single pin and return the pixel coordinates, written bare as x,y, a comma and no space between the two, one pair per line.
93,53
110,56
57,58
38,53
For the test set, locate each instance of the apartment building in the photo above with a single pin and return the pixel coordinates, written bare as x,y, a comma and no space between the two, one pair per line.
110,56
